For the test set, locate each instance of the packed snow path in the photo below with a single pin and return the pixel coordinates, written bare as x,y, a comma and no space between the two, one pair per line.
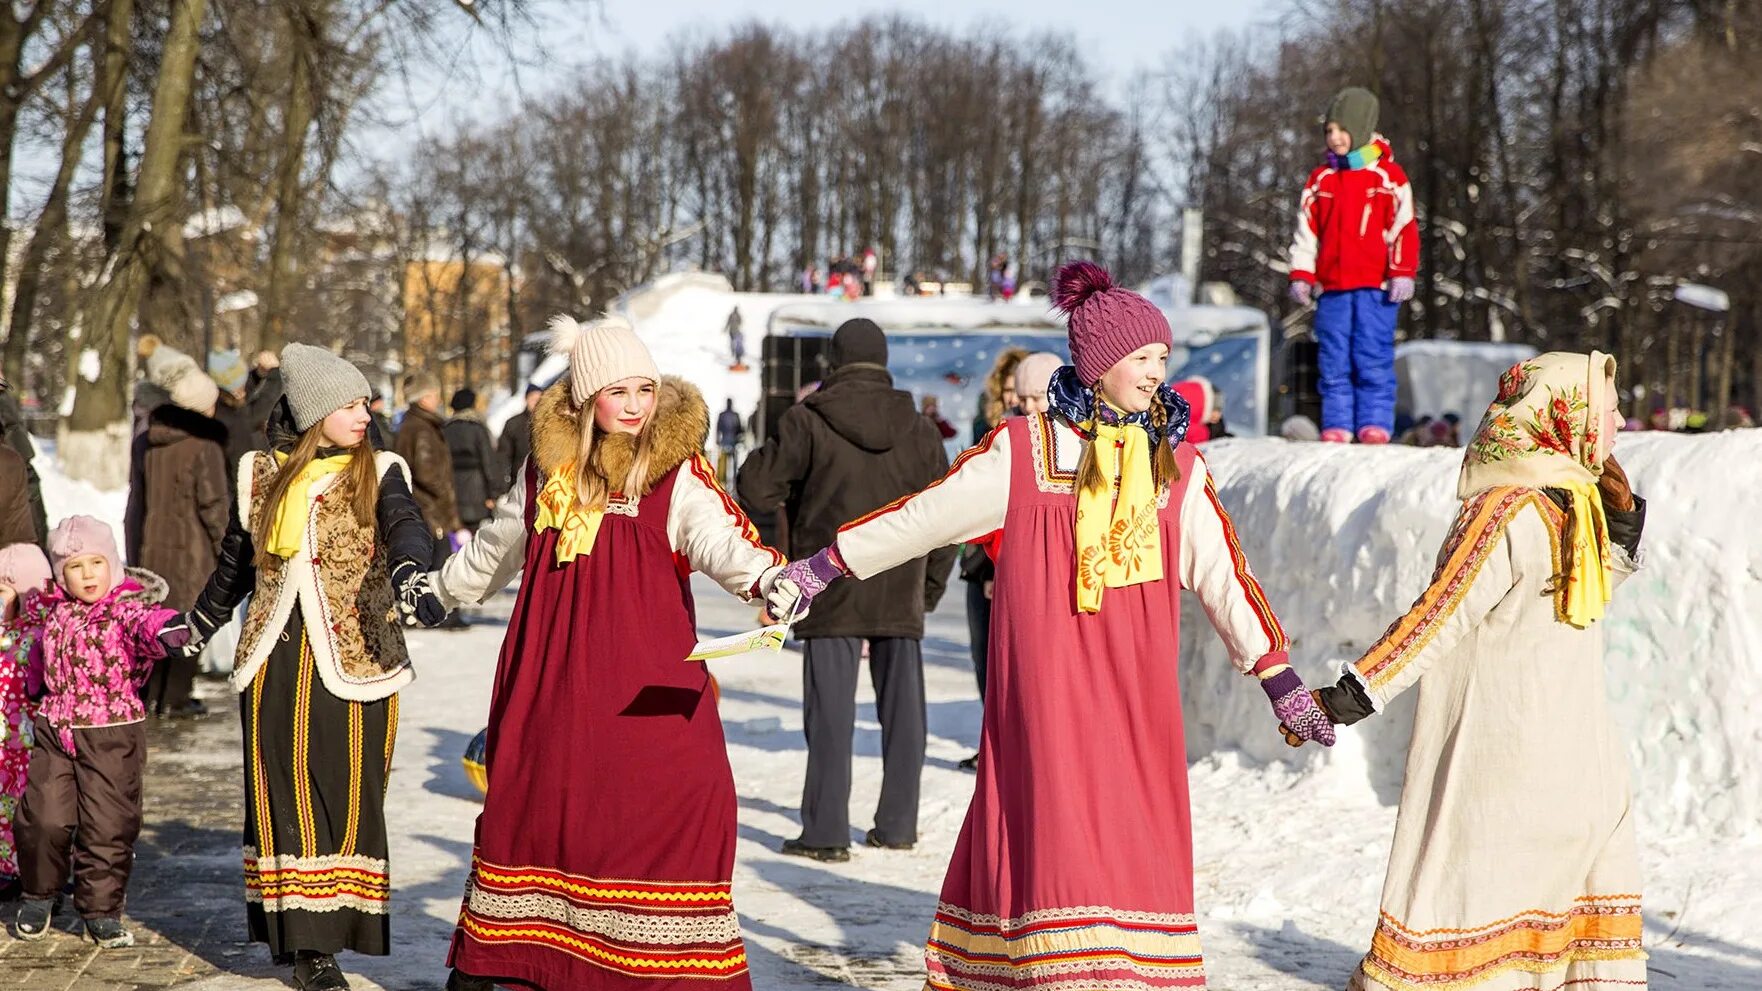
1287,876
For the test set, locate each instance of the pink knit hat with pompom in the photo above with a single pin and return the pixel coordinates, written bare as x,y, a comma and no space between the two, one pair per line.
23,568
1107,321
78,536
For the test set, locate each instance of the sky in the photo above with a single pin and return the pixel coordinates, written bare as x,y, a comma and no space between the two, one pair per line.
1117,36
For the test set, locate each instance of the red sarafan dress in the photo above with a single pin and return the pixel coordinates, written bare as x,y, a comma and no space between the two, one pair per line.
605,850
1074,868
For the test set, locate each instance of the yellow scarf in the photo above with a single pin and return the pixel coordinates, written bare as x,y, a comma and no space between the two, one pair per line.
576,527
1589,586
290,516
1119,536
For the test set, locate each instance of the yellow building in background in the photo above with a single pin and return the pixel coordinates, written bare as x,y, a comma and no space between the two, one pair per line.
456,322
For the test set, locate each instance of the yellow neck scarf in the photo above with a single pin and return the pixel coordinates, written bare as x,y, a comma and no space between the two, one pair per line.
557,510
290,516
1119,537
1589,586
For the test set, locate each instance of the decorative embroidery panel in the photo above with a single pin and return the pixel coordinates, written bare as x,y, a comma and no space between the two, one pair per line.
1077,949
1055,450
1597,927
317,884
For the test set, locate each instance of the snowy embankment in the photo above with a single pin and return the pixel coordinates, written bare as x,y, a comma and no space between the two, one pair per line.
1344,539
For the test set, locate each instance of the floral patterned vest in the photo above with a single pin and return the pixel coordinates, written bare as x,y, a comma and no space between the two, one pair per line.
341,580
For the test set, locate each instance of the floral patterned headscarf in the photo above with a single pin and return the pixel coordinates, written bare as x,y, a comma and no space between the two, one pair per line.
1546,426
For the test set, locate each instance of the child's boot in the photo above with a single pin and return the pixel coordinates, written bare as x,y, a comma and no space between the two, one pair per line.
109,933
34,917
1372,435
1336,435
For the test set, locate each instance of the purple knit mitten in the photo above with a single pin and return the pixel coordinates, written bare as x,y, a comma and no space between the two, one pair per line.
1294,707
813,574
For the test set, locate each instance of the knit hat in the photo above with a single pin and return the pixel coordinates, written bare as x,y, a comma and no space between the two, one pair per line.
1106,322
463,400
177,374
23,567
317,383
228,370
77,536
1034,373
600,352
857,341
1355,110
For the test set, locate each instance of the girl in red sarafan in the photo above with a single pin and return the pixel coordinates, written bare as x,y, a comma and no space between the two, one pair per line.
605,851
1101,514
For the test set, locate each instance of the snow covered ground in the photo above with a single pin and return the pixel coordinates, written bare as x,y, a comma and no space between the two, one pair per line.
1289,854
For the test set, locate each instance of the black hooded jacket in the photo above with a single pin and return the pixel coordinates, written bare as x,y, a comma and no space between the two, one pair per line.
848,449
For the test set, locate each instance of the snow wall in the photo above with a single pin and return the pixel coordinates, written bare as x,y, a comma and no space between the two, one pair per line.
1345,538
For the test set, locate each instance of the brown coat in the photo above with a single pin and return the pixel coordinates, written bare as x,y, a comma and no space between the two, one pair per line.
16,526
178,500
424,448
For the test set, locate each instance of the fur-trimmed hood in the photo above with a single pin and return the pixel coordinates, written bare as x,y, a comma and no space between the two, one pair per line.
680,428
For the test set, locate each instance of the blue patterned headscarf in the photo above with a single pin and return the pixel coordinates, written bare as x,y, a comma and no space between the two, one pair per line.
1074,401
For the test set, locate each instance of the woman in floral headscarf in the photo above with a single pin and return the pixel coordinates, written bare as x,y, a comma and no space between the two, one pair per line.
1514,864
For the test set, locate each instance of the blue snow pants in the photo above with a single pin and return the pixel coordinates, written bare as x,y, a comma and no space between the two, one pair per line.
1355,331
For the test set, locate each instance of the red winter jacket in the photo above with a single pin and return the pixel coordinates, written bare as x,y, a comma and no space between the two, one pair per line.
1355,227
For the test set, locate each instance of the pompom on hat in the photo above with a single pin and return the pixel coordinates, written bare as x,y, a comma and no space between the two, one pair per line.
600,352
1107,321
78,536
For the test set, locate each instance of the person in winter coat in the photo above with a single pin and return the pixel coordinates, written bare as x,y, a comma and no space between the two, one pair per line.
25,570
730,434
615,508
179,501
331,547
100,631
1506,646
16,525
423,446
246,400
380,428
515,444
976,570
1074,867
14,435
1357,243
477,475
851,448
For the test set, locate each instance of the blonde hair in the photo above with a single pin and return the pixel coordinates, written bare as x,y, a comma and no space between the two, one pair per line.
1002,377
593,490
359,483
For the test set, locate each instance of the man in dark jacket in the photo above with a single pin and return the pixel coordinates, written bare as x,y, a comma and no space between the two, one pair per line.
423,446
18,438
247,396
476,478
846,450
730,431
516,440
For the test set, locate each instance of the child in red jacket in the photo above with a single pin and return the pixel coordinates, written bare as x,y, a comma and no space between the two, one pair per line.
1358,244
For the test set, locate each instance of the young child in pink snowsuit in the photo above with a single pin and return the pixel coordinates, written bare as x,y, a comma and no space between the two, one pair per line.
24,568
100,631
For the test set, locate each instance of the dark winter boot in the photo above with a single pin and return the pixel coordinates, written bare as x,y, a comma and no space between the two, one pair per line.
318,972
109,933
458,980
824,854
875,839
34,917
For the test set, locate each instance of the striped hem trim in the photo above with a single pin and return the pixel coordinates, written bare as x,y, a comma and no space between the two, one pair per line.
317,884
695,963
1596,928
1082,947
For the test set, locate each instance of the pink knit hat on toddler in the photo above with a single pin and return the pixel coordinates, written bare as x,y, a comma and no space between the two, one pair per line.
23,568
80,535
1107,321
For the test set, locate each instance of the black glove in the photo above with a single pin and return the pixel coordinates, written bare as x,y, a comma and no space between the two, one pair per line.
416,598
178,639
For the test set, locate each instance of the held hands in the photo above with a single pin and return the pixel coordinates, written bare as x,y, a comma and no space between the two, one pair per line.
1302,292
1292,738
1300,717
416,599
798,583
179,639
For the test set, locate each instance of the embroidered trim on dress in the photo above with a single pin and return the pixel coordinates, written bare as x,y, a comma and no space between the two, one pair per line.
1598,927
317,884
1088,947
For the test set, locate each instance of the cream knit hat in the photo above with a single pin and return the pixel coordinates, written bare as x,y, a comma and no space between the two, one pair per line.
600,352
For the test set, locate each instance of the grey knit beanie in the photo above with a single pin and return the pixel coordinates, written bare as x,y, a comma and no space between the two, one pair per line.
318,383
1355,110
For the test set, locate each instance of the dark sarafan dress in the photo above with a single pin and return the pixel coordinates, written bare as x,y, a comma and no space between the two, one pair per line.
605,849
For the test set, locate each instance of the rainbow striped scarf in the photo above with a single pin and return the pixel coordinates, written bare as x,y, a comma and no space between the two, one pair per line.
1357,158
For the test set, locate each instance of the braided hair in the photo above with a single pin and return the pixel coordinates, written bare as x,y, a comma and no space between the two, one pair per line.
1164,467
